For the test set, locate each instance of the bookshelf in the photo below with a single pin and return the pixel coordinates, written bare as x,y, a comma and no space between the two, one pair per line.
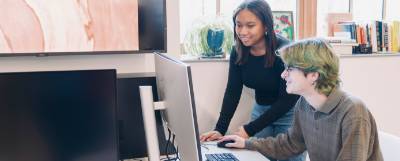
387,54
371,36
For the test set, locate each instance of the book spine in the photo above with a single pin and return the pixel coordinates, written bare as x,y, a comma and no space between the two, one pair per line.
385,37
378,35
373,37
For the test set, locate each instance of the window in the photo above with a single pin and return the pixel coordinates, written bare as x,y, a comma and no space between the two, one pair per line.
392,10
192,10
228,7
367,10
362,10
326,6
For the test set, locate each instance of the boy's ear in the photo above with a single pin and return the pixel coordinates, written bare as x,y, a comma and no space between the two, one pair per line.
313,76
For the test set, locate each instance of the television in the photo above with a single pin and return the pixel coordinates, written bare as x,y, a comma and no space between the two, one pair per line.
175,90
58,116
82,28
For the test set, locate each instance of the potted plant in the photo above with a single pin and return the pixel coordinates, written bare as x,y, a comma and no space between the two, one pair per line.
209,38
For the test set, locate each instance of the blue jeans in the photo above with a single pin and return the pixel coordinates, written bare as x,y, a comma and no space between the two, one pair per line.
279,126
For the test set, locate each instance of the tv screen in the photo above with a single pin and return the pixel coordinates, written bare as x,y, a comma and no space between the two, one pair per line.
58,116
82,27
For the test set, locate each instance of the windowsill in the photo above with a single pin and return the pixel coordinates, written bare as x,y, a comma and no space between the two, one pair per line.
191,58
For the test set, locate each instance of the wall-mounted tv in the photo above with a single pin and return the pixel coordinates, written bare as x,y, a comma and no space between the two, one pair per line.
71,27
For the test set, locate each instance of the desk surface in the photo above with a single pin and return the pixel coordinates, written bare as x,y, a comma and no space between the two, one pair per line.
211,148
241,154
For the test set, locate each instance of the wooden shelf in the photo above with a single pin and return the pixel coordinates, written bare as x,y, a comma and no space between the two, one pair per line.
371,55
196,59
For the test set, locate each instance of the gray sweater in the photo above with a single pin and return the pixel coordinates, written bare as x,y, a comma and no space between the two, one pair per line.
343,129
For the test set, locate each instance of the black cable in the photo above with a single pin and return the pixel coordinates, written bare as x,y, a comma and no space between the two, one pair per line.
173,143
168,141
177,147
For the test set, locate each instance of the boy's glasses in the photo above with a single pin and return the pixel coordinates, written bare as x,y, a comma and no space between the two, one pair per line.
291,68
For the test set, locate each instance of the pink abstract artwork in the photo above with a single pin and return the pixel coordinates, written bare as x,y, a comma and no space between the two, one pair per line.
28,26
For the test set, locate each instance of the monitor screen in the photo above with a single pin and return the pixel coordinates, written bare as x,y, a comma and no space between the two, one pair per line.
58,116
174,88
132,140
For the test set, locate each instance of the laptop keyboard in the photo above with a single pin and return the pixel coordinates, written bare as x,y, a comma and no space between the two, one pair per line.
221,157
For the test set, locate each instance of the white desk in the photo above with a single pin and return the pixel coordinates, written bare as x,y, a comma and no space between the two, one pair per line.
241,154
211,148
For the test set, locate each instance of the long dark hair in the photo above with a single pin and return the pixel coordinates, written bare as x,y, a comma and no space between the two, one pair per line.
262,10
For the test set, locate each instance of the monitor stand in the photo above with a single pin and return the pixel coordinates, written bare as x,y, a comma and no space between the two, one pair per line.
148,108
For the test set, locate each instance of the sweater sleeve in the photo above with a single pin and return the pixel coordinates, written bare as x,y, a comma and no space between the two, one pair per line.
359,135
284,103
232,95
356,134
283,146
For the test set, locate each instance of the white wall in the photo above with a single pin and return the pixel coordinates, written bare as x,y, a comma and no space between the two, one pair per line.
209,82
173,28
376,80
124,63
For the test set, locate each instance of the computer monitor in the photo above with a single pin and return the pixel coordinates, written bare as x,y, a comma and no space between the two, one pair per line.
58,116
132,141
174,87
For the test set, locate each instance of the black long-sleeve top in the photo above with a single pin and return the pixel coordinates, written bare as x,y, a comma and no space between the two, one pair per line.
270,89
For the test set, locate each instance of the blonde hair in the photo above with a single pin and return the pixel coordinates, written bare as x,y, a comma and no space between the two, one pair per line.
314,55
